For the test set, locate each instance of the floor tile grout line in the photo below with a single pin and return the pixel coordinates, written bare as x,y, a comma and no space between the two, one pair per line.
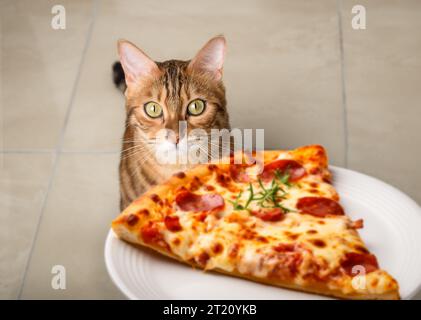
50,151
57,151
1,96
344,96
26,151
2,110
90,152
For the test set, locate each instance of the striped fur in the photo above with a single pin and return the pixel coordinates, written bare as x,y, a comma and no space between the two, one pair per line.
173,87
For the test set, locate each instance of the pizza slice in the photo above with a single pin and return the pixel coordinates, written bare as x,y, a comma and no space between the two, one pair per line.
282,226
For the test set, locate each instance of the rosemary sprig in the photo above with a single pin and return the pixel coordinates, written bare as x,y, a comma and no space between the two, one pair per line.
251,196
235,203
283,177
268,197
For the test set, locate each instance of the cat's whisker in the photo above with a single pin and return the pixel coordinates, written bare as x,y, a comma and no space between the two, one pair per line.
210,142
221,148
213,155
132,155
129,155
134,141
132,147
134,152
226,143
138,141
217,134
205,151
218,148
141,160
145,156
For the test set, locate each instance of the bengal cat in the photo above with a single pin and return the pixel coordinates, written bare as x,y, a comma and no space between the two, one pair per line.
158,96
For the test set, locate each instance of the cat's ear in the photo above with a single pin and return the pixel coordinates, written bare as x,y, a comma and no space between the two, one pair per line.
136,64
210,58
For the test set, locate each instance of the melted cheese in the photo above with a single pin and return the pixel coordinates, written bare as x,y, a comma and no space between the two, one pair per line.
328,239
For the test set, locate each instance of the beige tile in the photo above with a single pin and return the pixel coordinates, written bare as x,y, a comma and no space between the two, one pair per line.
38,70
283,74
23,183
82,203
282,71
383,76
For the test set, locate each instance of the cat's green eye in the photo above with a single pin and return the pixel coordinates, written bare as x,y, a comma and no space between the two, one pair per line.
153,109
196,107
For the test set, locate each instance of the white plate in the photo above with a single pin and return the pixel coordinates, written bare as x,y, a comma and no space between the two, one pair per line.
392,231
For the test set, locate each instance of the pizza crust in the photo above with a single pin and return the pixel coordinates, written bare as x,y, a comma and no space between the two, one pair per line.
321,289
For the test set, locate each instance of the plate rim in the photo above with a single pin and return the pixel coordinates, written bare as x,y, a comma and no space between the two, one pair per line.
113,274
120,284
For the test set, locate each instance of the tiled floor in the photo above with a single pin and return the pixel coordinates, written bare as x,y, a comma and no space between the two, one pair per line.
356,92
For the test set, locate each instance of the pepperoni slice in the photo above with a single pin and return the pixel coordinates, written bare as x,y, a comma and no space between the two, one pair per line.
150,234
270,214
132,219
284,247
357,224
295,170
202,259
188,201
319,206
172,223
288,263
238,173
352,259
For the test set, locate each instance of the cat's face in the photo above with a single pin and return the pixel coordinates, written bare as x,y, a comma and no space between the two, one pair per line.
168,102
